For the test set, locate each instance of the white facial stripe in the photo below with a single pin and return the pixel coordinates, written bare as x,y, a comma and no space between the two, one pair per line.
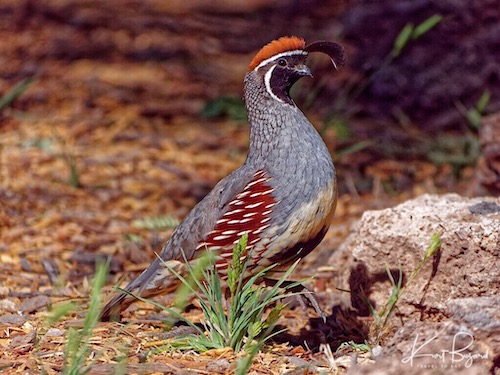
280,55
267,81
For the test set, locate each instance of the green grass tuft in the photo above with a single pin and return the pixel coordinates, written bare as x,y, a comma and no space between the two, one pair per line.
77,349
243,321
358,347
381,318
15,92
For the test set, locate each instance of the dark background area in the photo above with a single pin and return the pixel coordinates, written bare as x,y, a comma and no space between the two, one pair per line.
188,59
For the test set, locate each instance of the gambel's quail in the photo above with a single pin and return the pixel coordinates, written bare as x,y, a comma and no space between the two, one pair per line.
283,196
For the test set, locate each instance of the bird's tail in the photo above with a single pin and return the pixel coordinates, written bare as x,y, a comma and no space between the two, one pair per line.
156,279
112,310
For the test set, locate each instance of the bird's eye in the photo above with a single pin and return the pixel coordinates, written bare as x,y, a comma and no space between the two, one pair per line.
282,62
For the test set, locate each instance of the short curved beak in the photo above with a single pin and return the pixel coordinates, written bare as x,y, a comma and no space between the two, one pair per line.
303,70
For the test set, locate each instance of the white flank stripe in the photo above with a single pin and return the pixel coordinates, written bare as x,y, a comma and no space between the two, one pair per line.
254,205
220,221
259,173
242,195
245,220
250,184
261,229
228,232
237,211
209,248
220,238
234,222
250,214
265,220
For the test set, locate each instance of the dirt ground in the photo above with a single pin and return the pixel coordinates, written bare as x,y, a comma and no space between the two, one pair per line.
89,151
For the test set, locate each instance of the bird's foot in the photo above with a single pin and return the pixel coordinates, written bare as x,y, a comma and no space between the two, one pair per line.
304,297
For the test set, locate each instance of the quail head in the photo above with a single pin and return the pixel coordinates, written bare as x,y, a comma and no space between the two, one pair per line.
283,196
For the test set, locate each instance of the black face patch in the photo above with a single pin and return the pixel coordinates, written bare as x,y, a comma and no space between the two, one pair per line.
283,75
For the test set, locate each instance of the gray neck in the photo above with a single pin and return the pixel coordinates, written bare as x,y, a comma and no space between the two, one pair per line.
281,138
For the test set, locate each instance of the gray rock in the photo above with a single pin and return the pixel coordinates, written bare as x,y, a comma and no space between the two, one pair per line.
448,316
466,266
479,312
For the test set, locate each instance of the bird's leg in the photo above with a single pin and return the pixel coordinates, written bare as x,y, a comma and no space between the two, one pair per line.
304,292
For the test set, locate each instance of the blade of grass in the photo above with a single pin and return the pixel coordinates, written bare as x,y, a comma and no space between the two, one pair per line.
16,92
426,25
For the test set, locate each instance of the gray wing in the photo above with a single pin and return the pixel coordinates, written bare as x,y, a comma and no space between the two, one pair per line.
191,231
203,217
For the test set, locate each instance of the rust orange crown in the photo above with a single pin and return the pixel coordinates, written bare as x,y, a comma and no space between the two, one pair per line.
283,44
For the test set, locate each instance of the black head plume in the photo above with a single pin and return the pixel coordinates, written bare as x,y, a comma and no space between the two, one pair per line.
333,50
